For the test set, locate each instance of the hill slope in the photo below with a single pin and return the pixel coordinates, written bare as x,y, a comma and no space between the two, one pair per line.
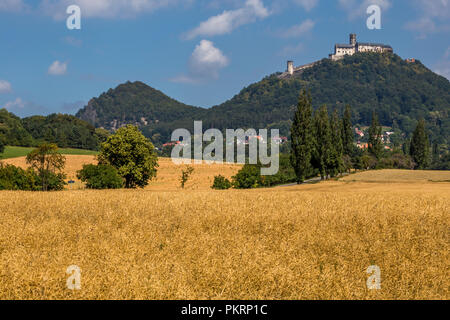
400,92
134,103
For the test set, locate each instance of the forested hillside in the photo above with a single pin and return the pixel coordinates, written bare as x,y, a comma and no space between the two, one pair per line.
66,131
398,91
134,103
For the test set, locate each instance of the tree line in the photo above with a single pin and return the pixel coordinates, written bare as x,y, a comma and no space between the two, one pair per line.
324,145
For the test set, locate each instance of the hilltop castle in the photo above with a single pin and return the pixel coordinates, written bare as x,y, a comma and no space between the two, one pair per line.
340,51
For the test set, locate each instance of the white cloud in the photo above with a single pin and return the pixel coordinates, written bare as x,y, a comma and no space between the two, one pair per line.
229,20
73,41
308,5
434,17
12,5
298,30
106,8
57,68
16,104
204,64
5,86
357,8
290,51
443,66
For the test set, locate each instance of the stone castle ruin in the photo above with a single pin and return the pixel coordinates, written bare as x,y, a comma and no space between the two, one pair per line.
340,51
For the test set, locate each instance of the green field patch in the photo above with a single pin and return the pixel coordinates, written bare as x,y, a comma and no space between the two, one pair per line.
16,152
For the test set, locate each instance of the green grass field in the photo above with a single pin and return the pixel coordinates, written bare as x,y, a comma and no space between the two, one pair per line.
15,152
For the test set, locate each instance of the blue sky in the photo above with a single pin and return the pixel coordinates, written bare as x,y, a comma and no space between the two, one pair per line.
201,52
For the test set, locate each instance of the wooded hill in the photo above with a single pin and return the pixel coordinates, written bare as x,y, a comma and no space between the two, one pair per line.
400,92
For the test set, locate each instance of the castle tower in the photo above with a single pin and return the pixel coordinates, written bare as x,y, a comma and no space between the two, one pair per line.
353,39
290,67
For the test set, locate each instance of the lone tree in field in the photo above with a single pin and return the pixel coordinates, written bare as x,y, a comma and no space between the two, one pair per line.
48,163
420,146
132,154
185,175
302,138
375,135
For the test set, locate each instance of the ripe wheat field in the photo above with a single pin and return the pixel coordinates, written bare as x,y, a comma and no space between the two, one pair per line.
303,242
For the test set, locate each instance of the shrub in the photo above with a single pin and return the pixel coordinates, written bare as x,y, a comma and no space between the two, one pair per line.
185,175
101,176
53,181
248,177
221,183
15,178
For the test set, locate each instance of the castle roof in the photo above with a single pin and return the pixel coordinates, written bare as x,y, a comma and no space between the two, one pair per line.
339,45
373,44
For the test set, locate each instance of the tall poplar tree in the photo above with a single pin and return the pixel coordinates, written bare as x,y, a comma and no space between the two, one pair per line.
375,135
337,148
420,146
347,132
302,138
323,147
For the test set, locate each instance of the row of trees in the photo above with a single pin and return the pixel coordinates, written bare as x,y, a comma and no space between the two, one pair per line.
324,145
320,143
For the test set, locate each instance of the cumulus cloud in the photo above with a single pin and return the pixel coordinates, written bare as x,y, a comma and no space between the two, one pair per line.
229,20
434,17
443,66
5,86
291,50
308,5
298,30
204,64
57,68
24,108
357,8
16,104
106,8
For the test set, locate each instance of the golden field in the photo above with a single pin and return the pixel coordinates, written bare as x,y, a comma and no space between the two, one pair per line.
302,242
168,177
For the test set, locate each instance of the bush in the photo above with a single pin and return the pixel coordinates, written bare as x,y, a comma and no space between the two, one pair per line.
53,181
221,183
101,176
15,178
248,177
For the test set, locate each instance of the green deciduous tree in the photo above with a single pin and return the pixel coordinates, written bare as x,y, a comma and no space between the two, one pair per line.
420,146
132,155
248,177
48,163
102,176
302,143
